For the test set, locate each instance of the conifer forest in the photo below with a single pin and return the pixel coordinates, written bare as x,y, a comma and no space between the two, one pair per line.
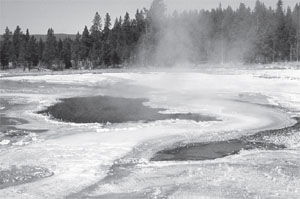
258,35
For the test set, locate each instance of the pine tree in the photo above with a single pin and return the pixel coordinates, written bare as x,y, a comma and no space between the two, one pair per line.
26,50
6,48
86,43
262,51
116,34
60,54
50,51
33,51
59,49
107,24
41,47
115,58
106,50
27,36
96,38
97,24
66,52
76,49
126,28
296,24
281,34
126,37
291,32
115,42
18,49
139,25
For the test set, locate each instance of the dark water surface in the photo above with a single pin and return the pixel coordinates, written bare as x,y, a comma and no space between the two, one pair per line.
219,149
103,109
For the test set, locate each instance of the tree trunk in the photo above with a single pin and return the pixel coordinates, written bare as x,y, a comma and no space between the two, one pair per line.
274,52
291,52
298,22
297,50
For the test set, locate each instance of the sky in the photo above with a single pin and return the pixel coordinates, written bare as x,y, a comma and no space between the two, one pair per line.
70,16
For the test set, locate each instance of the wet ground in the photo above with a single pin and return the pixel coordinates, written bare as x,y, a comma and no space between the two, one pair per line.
12,135
25,174
197,135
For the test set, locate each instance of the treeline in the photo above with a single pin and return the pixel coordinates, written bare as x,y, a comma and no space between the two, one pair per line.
259,35
152,37
99,46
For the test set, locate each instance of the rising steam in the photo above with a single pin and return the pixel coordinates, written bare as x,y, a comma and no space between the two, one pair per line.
193,37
